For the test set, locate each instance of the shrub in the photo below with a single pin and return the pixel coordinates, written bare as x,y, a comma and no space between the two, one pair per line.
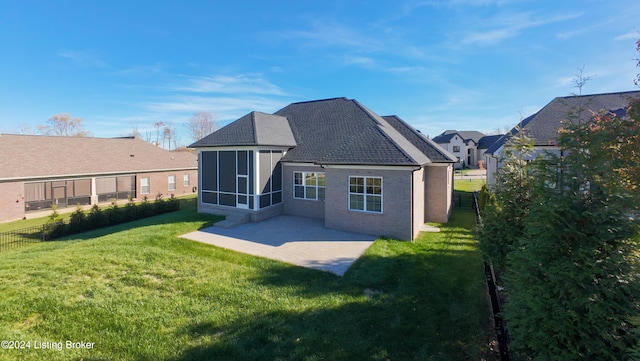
78,221
114,214
145,209
159,205
54,227
96,218
130,211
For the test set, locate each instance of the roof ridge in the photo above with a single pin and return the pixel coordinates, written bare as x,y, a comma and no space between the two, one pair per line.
435,146
253,126
386,129
597,94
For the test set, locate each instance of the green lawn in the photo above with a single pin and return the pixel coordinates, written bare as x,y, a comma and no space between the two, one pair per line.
468,185
185,202
141,293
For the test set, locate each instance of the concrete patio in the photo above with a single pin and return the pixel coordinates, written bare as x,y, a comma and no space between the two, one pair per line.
296,240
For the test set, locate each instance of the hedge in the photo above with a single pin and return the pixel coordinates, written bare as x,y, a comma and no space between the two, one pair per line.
105,217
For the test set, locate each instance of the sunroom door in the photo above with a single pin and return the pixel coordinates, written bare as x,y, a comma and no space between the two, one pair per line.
242,180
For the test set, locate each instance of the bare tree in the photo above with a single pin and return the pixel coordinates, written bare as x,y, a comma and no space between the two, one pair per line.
201,124
63,125
166,136
24,128
580,80
158,125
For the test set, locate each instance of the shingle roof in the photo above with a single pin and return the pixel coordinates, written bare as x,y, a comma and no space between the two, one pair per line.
343,131
466,135
488,140
543,126
333,131
422,142
34,156
255,128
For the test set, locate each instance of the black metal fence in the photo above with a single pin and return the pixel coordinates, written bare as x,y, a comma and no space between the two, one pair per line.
462,199
24,236
500,326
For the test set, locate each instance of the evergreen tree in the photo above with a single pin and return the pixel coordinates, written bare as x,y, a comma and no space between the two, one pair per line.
502,217
572,278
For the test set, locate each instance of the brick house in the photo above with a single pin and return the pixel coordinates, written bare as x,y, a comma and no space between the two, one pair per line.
330,159
39,171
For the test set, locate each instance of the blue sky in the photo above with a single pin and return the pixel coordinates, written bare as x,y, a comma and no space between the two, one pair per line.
458,64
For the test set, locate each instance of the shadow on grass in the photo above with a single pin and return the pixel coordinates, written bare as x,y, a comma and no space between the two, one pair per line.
422,306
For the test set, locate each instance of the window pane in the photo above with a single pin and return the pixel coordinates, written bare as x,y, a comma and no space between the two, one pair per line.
298,192
105,185
356,201
356,185
374,186
310,179
82,187
311,193
297,178
185,180
321,179
34,192
320,192
374,203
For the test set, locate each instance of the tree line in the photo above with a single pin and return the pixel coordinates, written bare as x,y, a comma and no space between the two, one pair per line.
561,234
160,133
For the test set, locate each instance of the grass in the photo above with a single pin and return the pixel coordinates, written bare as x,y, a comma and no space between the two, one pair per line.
185,202
468,185
139,292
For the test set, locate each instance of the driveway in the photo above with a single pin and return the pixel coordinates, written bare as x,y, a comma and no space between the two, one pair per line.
296,240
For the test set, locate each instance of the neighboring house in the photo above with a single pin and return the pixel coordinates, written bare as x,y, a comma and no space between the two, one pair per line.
330,159
37,172
544,125
468,146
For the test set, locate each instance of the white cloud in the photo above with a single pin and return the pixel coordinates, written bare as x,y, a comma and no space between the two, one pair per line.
508,25
225,84
632,35
225,108
84,58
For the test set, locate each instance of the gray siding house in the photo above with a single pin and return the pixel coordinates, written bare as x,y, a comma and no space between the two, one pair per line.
544,125
330,159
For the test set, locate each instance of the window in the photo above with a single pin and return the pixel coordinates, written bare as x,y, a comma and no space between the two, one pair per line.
172,183
144,185
185,180
365,194
308,185
456,148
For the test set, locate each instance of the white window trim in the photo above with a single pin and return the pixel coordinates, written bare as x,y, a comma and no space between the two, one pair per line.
169,183
142,185
186,180
304,186
381,195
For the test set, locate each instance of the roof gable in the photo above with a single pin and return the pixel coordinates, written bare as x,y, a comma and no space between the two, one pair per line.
255,128
466,135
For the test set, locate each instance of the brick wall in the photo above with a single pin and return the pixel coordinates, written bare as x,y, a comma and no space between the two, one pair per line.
159,183
11,201
418,201
394,222
300,207
438,188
